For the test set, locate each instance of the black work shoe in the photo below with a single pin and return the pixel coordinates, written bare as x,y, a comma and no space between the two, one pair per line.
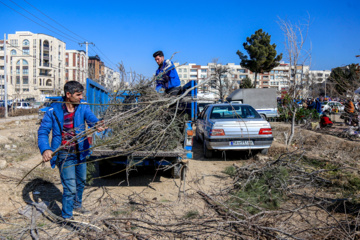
81,211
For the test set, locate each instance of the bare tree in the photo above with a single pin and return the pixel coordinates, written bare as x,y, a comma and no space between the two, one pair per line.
297,55
221,79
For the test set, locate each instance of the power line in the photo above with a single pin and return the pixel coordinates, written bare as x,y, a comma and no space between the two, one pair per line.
42,20
54,20
36,22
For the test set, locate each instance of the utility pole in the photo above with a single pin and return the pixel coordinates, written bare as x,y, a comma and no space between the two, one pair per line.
5,79
87,56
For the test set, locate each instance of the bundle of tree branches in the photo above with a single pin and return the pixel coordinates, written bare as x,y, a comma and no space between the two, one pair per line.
140,119
275,195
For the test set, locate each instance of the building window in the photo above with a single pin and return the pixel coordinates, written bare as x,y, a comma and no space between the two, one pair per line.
17,80
241,70
193,70
26,51
319,74
26,42
13,52
193,76
25,89
48,82
180,76
265,77
203,70
1,67
203,76
185,75
1,48
25,71
185,70
25,80
242,76
180,70
18,70
25,62
14,42
212,69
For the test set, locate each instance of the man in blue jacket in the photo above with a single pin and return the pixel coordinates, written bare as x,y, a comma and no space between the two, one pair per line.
166,75
67,121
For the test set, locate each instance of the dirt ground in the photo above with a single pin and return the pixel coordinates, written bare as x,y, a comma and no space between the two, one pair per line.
148,188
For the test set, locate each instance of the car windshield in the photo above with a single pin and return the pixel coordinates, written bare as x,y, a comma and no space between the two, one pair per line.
232,112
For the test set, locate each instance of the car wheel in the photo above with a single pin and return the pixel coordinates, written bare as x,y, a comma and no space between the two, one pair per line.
263,116
264,151
207,152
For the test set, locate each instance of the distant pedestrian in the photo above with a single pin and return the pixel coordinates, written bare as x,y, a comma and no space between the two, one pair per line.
325,121
166,75
318,105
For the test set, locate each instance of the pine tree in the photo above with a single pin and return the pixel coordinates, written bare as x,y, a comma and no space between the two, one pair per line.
246,83
262,55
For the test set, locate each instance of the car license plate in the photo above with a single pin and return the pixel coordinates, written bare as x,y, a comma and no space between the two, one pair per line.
237,143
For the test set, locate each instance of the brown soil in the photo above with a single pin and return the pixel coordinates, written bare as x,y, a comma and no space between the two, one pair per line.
151,194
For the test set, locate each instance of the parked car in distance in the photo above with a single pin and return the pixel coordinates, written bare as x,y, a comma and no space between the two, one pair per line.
22,105
331,106
232,127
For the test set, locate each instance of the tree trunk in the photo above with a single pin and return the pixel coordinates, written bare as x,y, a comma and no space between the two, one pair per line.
255,79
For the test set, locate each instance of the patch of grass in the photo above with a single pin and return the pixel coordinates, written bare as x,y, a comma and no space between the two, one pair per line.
192,214
264,191
164,200
230,170
41,224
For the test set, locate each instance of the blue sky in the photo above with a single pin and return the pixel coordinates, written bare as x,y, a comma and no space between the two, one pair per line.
131,31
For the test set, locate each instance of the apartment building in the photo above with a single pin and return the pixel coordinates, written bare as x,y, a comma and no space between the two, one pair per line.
111,79
280,77
96,69
35,65
75,66
319,76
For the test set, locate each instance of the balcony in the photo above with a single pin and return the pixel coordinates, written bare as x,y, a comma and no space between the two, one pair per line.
45,74
46,56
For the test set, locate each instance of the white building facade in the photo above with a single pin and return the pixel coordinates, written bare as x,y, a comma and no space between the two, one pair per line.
35,65
280,77
75,66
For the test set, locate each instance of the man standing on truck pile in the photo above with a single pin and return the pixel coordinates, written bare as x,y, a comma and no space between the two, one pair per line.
166,75
66,120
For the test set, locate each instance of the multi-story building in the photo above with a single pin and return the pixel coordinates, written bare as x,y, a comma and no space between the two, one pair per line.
75,66
96,69
35,65
319,76
111,79
280,77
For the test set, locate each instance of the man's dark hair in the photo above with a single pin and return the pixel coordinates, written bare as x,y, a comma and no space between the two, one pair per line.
72,87
158,53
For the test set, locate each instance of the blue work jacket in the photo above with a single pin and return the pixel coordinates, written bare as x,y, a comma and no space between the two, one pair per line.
54,120
167,76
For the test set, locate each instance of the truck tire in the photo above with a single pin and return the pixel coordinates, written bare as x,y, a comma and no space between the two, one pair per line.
207,152
264,151
176,171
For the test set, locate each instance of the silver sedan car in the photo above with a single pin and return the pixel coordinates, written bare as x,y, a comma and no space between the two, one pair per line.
232,127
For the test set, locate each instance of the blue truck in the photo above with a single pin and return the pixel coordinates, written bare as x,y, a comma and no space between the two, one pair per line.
110,161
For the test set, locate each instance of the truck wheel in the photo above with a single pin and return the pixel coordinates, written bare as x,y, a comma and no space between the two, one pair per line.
207,152
176,171
264,151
